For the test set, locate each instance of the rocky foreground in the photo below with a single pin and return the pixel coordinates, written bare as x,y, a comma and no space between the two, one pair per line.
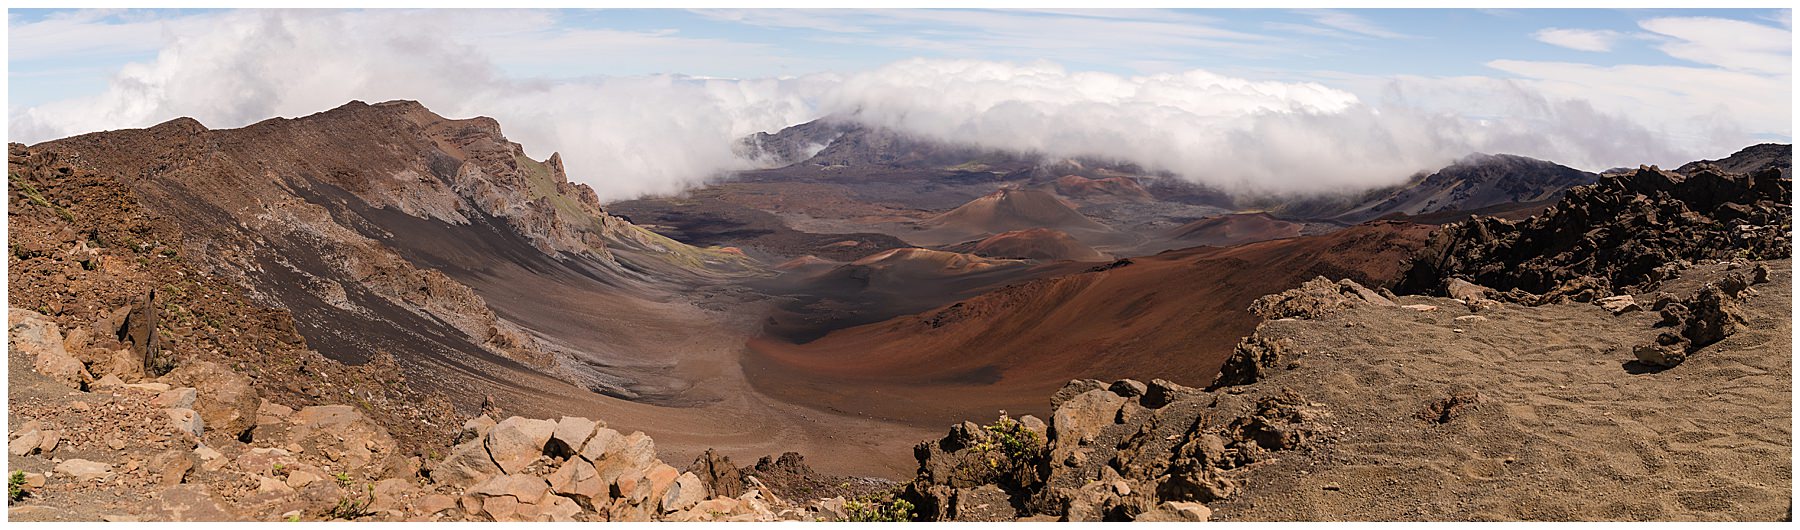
1420,407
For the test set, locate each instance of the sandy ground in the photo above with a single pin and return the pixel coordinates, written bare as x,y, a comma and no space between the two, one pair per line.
722,411
1568,426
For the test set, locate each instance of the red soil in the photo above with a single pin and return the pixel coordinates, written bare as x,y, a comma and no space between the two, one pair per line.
1035,243
1235,229
1174,316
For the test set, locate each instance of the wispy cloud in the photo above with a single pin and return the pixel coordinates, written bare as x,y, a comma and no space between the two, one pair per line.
1730,44
1352,23
86,33
1587,40
1095,35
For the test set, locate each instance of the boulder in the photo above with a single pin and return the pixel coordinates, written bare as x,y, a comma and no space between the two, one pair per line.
171,467
1367,296
1668,350
1036,426
604,443
1177,511
39,338
633,458
84,470
576,479
186,421
300,478
25,443
570,435
120,363
390,493
1161,392
516,442
180,398
341,434
229,403
518,498
1074,388
476,428
467,464
1080,419
1618,305
1464,291
108,381
1128,388
686,492
434,504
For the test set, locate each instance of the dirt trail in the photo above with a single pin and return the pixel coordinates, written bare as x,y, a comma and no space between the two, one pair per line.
1567,425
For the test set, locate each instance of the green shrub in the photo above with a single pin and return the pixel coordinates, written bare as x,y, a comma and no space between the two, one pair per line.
860,511
350,508
15,487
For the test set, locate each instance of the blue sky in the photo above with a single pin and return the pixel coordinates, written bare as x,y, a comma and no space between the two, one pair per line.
1382,91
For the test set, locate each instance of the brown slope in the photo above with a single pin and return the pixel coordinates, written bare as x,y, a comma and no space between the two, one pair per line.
1175,315
298,215
1125,188
1234,229
388,228
1033,243
822,297
1009,209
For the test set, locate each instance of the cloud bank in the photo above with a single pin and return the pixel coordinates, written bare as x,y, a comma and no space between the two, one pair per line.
661,134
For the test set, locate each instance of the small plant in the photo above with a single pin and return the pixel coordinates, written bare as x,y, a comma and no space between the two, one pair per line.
1012,439
279,470
869,511
349,507
15,487
343,479
295,518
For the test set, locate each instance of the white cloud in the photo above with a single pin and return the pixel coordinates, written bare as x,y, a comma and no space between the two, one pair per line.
1243,136
629,136
1731,44
1587,40
626,136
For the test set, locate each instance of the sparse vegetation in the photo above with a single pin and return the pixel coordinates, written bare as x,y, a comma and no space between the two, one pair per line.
1012,439
31,193
343,479
871,511
15,487
351,507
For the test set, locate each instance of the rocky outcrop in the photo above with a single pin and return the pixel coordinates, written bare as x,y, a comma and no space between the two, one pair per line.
1256,356
720,477
1628,232
1706,317
1316,298
577,469
1124,451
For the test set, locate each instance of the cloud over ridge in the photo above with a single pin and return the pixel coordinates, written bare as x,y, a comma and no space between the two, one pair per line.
660,134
